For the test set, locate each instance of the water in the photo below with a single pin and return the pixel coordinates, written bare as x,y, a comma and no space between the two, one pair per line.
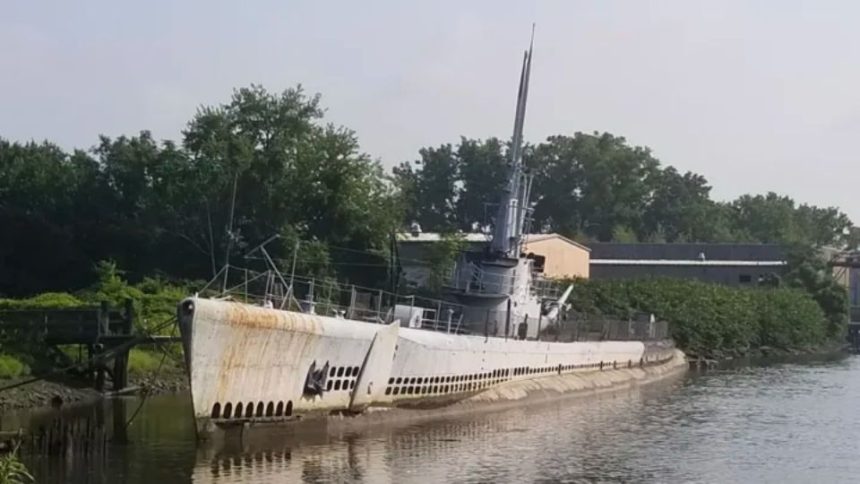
777,423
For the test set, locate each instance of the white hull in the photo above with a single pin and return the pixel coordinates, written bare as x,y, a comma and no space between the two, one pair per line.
251,363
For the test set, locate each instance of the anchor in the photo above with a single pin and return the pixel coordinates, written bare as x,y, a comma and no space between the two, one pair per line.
315,382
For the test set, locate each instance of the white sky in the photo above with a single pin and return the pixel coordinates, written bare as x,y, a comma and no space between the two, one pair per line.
755,95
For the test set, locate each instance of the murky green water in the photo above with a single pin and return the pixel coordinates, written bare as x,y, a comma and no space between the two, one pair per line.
780,423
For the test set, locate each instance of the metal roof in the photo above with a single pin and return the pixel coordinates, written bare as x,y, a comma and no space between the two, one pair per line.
687,262
436,237
688,251
426,237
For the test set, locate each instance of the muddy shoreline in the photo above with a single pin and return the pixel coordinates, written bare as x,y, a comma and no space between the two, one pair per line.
58,392
765,354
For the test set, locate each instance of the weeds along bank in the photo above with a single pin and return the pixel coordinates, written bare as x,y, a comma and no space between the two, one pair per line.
715,321
154,302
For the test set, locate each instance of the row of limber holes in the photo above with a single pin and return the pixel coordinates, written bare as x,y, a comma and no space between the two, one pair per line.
476,381
504,373
471,382
343,371
248,410
340,385
352,372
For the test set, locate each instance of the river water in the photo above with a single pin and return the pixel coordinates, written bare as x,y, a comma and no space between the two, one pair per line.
786,422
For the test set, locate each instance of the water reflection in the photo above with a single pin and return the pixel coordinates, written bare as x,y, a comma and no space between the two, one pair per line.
787,423
503,446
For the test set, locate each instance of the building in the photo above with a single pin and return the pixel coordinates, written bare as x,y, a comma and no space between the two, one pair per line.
555,256
846,271
563,257
732,264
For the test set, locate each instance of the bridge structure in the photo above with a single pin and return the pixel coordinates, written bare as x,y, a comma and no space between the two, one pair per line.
106,334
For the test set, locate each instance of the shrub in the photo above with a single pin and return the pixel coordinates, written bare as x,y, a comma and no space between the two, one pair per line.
11,367
12,470
142,362
708,319
158,300
154,299
48,300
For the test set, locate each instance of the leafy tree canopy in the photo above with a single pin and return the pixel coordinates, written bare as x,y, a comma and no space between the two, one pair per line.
261,164
598,187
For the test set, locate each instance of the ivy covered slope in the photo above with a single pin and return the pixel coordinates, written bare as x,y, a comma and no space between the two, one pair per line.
710,320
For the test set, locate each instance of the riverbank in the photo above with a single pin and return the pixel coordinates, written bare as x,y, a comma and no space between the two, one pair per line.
718,359
65,391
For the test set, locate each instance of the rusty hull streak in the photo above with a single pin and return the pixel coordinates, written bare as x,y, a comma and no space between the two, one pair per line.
263,318
243,321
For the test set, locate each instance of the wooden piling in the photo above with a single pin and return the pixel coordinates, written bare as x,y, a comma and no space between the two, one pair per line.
120,362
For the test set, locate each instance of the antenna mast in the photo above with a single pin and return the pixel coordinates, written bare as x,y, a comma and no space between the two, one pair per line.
508,226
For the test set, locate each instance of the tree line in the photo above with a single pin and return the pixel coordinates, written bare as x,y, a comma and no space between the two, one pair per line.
596,187
267,163
259,165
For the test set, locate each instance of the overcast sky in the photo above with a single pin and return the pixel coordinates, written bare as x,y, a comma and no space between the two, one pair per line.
756,96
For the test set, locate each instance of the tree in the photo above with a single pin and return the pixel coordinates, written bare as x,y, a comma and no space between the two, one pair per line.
598,187
591,183
435,189
680,210
808,270
441,258
39,249
259,165
773,218
288,171
483,171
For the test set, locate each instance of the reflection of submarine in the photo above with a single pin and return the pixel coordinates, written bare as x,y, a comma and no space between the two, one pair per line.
469,446
348,460
277,455
273,362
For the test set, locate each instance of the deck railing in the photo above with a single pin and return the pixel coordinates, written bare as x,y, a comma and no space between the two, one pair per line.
328,297
583,327
335,299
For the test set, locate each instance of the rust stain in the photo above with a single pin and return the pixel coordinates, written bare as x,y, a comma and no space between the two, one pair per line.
242,343
263,318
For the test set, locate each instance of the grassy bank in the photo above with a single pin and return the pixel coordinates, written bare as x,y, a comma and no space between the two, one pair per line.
23,355
715,321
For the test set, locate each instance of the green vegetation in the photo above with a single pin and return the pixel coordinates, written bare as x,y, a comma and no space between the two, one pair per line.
135,217
12,470
164,208
808,272
598,187
267,163
45,300
154,302
11,367
154,299
441,258
709,319
144,363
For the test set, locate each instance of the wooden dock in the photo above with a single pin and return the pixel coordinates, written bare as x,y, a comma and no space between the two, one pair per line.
100,330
